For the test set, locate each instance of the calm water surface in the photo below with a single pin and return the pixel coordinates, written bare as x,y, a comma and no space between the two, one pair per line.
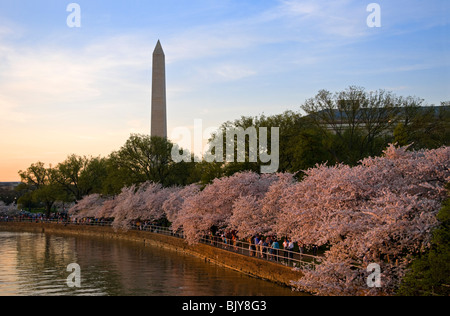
36,264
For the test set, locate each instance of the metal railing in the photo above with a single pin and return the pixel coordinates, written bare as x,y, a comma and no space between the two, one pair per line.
282,256
295,259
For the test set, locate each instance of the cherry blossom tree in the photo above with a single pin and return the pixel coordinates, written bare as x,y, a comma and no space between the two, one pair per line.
214,205
154,202
121,206
107,209
8,210
140,203
88,207
173,205
381,211
259,212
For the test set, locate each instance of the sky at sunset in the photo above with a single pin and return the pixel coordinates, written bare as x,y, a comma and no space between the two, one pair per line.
83,90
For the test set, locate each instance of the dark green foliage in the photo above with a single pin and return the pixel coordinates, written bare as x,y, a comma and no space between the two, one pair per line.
429,274
144,158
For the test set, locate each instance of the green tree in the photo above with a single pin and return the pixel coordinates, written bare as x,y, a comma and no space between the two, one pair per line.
81,176
25,199
205,172
183,173
422,125
355,123
306,149
41,186
429,274
146,158
94,175
302,144
8,196
142,158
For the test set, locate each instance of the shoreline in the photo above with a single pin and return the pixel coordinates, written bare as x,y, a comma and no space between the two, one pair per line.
254,267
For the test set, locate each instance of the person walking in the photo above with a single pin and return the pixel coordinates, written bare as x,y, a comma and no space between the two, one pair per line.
234,241
260,247
301,248
256,243
290,248
251,246
285,247
275,248
265,245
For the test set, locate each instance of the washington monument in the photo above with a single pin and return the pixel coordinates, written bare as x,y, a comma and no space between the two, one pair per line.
159,112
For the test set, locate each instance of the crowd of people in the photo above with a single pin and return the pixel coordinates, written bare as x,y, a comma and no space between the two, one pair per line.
35,217
264,247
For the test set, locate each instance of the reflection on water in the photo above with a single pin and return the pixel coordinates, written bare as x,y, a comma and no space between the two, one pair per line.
36,264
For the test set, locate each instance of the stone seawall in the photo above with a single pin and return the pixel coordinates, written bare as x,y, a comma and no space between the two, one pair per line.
251,266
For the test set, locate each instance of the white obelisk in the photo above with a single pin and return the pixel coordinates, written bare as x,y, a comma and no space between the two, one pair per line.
159,111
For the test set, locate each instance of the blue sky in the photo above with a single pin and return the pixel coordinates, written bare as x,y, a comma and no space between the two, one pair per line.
84,90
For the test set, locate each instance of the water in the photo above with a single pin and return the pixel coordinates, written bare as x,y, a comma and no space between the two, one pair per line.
36,265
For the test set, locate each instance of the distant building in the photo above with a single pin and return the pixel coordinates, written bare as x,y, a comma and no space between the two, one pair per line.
8,186
350,115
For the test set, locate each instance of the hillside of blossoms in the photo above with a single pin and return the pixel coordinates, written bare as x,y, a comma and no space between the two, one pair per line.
383,211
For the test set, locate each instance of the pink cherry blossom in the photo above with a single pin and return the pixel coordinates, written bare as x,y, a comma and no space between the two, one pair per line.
173,205
259,213
214,205
381,211
144,203
88,207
